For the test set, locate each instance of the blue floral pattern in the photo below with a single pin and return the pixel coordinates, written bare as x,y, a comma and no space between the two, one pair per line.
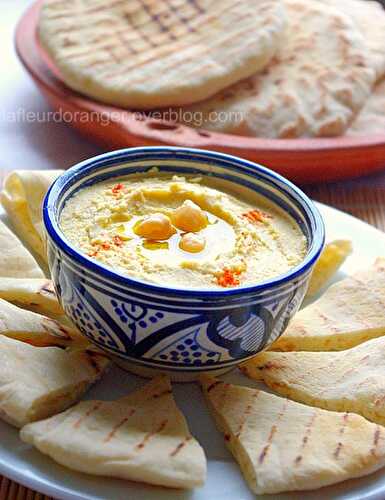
181,338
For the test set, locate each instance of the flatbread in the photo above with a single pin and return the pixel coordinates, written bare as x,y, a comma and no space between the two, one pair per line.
351,380
142,437
22,197
159,53
319,80
282,446
36,329
37,295
38,382
348,313
369,16
15,260
332,257
371,119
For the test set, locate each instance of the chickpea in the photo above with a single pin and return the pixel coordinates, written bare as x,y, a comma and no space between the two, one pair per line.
189,217
155,227
192,243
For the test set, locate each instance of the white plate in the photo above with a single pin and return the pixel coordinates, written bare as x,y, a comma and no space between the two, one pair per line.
224,481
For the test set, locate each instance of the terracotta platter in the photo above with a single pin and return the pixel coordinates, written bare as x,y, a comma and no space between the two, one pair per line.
301,160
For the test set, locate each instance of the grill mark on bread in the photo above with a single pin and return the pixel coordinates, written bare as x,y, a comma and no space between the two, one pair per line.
348,372
376,439
213,385
55,329
160,394
305,439
156,19
92,358
151,434
271,365
185,20
89,412
177,449
370,289
326,319
352,312
272,433
107,48
104,8
47,289
246,413
111,434
163,50
339,446
196,5
84,12
199,10
141,36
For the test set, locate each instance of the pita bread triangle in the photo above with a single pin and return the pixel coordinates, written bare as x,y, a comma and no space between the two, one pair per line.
37,382
332,257
351,380
142,437
22,196
36,329
35,294
348,313
282,446
15,260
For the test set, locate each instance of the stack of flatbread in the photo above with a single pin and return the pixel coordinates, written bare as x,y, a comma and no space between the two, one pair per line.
265,68
330,363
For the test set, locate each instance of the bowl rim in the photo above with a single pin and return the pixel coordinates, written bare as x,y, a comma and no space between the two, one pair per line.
85,167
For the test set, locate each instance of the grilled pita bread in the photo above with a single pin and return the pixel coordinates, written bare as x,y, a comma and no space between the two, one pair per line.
133,54
22,197
35,294
142,437
318,81
38,382
369,16
332,257
285,446
348,313
15,260
36,329
371,119
351,380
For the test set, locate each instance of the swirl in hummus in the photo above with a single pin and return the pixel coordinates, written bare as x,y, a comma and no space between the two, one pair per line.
184,232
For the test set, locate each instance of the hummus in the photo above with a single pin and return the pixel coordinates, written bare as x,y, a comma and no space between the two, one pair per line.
184,232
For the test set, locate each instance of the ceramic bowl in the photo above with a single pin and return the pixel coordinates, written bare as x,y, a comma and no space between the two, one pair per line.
182,331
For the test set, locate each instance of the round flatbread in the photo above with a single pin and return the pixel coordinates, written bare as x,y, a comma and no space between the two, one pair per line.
317,82
371,119
369,17
159,53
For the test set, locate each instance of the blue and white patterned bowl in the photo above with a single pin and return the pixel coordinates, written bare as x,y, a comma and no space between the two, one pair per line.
156,327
